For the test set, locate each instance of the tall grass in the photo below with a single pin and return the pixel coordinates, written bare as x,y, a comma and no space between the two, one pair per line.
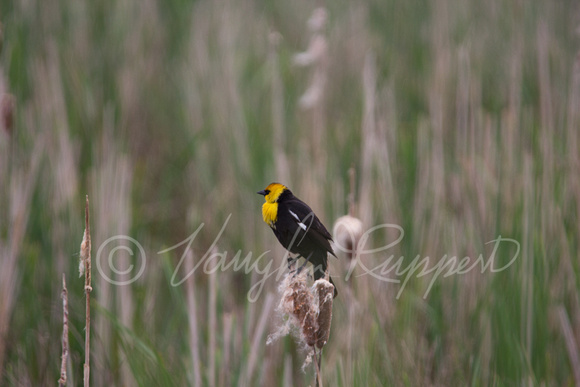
461,120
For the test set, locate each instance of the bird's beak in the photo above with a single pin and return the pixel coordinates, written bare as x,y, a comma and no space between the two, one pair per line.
262,192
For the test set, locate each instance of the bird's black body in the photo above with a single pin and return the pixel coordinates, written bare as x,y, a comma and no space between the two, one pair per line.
313,243
300,231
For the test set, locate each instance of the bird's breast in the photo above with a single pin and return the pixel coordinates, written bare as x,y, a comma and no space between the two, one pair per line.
270,213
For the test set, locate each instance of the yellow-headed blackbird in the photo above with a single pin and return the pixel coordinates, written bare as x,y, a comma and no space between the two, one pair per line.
297,228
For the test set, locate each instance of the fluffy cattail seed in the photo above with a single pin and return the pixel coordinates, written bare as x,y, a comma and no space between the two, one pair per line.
299,303
347,232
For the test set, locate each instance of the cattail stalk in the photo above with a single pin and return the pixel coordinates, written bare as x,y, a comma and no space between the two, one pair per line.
287,375
86,268
62,380
258,333
19,198
228,323
369,138
212,327
314,100
351,194
570,343
277,90
318,377
192,314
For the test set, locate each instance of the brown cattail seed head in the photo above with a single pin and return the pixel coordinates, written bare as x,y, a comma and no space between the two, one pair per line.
297,299
83,255
309,309
347,232
325,291
310,328
299,302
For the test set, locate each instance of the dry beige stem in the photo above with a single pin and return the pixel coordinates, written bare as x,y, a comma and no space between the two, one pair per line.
62,380
86,263
7,108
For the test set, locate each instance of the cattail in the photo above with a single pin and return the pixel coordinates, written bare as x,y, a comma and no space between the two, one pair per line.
84,253
325,292
309,311
298,302
347,232
310,327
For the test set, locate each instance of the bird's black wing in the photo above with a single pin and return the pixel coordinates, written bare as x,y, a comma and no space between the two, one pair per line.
310,227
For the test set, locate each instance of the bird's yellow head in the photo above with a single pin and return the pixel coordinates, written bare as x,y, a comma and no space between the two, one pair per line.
270,207
273,192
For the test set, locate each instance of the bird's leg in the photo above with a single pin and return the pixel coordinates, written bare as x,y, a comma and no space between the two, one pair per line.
292,261
297,271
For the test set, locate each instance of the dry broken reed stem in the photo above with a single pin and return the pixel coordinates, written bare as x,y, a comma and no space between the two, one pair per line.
62,380
369,139
313,102
277,89
193,330
86,268
7,107
21,182
258,333
212,306
351,194
570,343
228,323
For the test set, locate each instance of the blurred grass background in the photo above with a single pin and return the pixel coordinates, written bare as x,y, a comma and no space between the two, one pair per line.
461,119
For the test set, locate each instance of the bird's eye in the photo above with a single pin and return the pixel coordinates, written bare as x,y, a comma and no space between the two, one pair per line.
267,191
